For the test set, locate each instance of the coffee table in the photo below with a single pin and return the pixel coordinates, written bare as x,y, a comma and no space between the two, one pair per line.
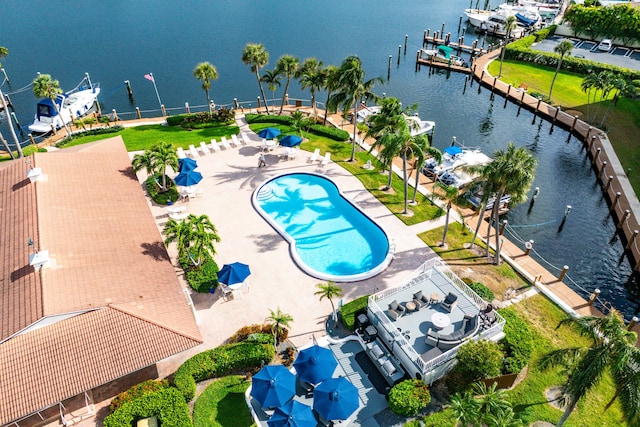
440,320
411,306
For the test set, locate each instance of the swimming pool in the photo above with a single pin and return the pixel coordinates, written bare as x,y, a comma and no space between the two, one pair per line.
329,237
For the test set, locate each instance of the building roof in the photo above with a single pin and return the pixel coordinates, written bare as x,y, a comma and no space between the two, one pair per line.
108,304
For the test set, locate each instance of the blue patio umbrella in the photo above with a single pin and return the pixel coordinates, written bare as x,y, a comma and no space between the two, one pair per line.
269,133
187,164
293,414
273,386
230,274
453,150
188,178
290,141
315,364
335,399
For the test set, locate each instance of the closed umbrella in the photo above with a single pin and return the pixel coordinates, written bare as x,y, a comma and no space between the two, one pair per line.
315,364
290,141
188,178
186,164
292,414
335,399
273,386
269,133
230,274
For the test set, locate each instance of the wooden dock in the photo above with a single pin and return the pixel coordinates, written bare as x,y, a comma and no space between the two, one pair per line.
458,46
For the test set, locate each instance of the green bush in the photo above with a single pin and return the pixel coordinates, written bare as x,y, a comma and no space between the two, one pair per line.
204,119
201,278
329,132
243,333
517,342
167,404
409,397
482,291
220,361
350,310
137,391
268,118
154,190
96,131
479,359
260,338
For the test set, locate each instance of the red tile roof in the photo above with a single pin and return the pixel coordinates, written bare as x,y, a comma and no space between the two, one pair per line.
106,254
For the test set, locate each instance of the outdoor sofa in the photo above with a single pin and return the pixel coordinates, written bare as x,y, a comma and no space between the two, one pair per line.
470,325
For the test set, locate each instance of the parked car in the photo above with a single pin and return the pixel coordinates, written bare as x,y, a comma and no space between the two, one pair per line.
605,45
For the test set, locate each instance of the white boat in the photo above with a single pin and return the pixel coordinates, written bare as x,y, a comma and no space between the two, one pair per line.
442,54
493,22
416,125
70,106
449,171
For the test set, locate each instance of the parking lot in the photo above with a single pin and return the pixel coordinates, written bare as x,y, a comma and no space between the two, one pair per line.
620,56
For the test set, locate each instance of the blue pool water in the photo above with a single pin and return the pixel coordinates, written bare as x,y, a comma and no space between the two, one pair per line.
329,237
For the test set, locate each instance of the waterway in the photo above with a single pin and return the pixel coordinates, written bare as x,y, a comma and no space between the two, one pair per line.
122,40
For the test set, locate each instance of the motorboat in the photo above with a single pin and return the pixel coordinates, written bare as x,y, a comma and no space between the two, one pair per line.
450,170
475,194
442,54
66,108
417,126
494,21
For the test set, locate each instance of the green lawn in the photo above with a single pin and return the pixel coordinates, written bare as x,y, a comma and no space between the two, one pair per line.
222,404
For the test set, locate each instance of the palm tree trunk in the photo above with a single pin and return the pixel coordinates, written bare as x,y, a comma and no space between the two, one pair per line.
488,239
313,103
446,225
206,92
608,110
6,146
496,219
613,399
11,129
406,183
390,175
333,311
355,129
480,218
415,189
284,95
264,98
554,77
567,412
326,107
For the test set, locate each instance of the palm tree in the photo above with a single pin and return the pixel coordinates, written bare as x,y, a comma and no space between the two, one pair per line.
612,349
423,149
299,122
202,235
588,84
465,408
45,87
510,172
563,48
388,145
624,88
206,72
330,291
178,232
312,77
509,26
272,79
163,155
4,52
143,161
6,146
278,319
330,78
450,196
256,56
287,66
352,88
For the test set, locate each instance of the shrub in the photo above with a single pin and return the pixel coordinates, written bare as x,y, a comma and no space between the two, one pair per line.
243,333
409,397
154,190
220,361
260,338
97,131
203,277
350,310
479,359
166,404
138,390
482,291
264,118
329,132
200,120
517,342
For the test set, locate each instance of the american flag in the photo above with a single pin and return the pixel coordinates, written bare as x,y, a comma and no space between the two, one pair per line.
149,77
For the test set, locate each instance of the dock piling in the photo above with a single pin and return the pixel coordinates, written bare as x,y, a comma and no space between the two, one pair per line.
459,24
564,272
138,113
442,32
399,53
406,39
389,67
186,108
127,83
5,75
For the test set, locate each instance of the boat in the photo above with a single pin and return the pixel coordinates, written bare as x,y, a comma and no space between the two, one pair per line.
494,21
474,196
449,171
417,126
68,106
442,54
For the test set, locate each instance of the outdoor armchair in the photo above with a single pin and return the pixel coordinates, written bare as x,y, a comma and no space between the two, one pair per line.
450,302
396,310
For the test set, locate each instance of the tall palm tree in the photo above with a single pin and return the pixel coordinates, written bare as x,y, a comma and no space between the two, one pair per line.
613,349
45,87
206,72
178,232
272,79
256,56
588,84
510,172
163,155
388,145
330,77
449,196
143,161
330,291
312,77
509,26
203,235
563,48
287,66
423,149
352,88
624,89
4,52
278,319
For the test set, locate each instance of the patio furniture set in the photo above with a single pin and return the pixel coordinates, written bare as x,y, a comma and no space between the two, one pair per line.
397,310
213,146
470,325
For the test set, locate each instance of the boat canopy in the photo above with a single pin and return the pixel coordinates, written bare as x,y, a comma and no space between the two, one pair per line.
46,108
525,21
445,50
453,150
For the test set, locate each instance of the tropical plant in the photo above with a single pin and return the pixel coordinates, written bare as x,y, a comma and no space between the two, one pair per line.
612,349
312,77
287,66
466,408
195,237
45,87
4,52
206,72
144,161
479,359
178,232
509,26
423,149
351,90
490,407
449,196
330,79
272,79
563,48
163,155
329,291
409,397
256,56
278,320
299,122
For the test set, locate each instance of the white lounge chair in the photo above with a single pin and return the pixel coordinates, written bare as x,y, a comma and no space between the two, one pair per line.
203,147
180,153
326,159
235,140
225,143
193,151
292,153
315,156
244,138
214,146
178,216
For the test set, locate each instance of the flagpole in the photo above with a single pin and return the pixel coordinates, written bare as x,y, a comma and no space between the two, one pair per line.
153,80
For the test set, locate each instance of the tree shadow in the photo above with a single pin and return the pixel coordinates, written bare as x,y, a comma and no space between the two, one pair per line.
156,250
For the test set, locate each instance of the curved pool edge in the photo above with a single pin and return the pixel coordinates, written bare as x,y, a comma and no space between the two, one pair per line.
292,247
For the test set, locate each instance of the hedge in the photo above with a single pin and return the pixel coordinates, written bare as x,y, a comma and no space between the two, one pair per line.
200,120
329,132
517,342
137,391
96,131
268,118
167,404
220,361
350,310
202,278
